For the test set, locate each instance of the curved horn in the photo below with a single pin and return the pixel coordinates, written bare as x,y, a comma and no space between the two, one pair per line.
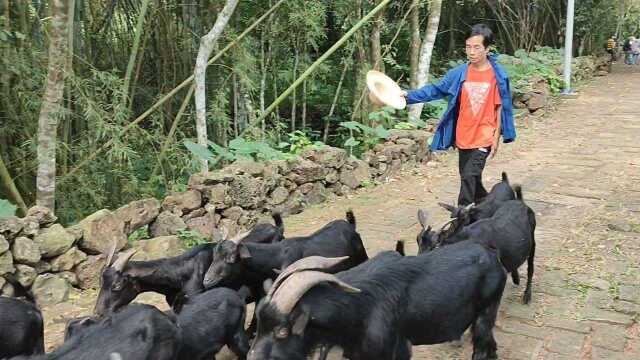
123,259
307,263
447,223
238,238
296,285
112,252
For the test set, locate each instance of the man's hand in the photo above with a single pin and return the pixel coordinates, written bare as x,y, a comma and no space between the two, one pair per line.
494,148
403,93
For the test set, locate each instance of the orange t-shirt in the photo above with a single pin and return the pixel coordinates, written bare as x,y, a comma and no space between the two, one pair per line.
477,120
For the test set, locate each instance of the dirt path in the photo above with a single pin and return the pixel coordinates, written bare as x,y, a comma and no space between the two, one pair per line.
580,171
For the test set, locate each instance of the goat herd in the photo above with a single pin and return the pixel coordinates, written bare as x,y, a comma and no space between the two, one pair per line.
311,293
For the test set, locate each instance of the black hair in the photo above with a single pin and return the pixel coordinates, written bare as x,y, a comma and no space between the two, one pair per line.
484,31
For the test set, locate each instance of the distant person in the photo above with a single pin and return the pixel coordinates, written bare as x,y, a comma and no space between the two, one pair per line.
611,47
626,48
479,111
635,51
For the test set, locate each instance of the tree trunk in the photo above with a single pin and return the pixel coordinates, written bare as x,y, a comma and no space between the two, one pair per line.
452,28
236,112
425,53
51,105
376,51
325,138
293,96
414,57
10,186
206,47
134,49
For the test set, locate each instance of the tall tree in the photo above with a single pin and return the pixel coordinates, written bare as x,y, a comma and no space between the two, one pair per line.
376,29
425,53
414,57
207,44
51,104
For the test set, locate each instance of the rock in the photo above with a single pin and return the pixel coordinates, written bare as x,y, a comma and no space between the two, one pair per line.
10,227
332,176
68,260
50,289
278,196
89,272
25,275
243,166
317,195
204,225
305,188
158,248
43,215
100,231
293,205
42,267
8,290
327,156
248,219
383,158
167,223
217,194
70,276
231,227
537,101
393,151
30,226
4,244
233,213
25,251
406,141
620,225
396,165
2,282
247,192
355,173
307,171
6,263
138,214
210,178
602,73
539,113
182,203
194,214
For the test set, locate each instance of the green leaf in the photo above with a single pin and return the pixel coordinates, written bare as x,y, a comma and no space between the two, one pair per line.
351,142
351,125
429,140
381,132
198,150
6,208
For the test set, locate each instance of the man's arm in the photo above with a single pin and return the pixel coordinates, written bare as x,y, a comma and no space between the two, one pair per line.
496,135
429,92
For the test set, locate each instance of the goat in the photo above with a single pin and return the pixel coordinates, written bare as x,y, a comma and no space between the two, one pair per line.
182,275
137,332
511,230
378,309
21,328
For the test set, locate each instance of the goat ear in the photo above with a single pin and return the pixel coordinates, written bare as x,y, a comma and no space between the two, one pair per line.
423,216
448,207
243,252
300,323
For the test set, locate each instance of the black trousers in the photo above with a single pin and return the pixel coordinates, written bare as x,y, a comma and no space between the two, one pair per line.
471,163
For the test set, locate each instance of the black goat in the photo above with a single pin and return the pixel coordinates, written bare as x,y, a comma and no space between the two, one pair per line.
21,328
137,332
511,230
253,263
390,303
181,275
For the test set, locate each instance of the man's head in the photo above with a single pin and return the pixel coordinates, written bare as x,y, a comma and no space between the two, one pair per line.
478,42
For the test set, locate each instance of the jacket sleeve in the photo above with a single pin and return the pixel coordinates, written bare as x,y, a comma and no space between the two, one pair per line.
430,92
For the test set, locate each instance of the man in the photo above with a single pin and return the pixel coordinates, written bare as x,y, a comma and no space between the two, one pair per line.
626,47
635,50
611,47
479,111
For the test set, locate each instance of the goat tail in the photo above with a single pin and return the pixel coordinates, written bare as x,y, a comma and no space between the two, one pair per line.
277,219
351,219
518,191
504,177
400,247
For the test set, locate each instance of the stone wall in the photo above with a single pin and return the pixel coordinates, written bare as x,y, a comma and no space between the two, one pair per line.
40,254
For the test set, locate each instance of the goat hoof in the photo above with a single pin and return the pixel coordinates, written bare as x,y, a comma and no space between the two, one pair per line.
526,298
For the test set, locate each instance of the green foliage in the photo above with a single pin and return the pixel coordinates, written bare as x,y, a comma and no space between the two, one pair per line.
191,238
364,137
238,148
140,234
523,66
299,141
6,208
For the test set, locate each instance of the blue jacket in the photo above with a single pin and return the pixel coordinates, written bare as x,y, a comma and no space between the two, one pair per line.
450,86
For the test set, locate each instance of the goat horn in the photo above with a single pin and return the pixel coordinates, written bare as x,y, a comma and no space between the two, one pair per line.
447,223
112,252
468,207
123,259
296,285
238,238
307,263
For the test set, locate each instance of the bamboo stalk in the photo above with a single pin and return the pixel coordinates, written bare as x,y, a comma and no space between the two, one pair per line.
169,95
322,58
12,190
134,49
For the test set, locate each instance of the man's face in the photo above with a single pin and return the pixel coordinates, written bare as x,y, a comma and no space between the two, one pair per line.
475,49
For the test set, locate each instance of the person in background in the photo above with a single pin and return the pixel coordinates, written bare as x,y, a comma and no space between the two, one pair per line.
479,111
626,48
611,47
635,50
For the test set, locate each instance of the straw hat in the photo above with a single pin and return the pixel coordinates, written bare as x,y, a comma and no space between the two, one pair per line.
384,91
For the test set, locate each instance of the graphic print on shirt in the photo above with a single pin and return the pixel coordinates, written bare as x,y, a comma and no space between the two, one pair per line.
477,92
